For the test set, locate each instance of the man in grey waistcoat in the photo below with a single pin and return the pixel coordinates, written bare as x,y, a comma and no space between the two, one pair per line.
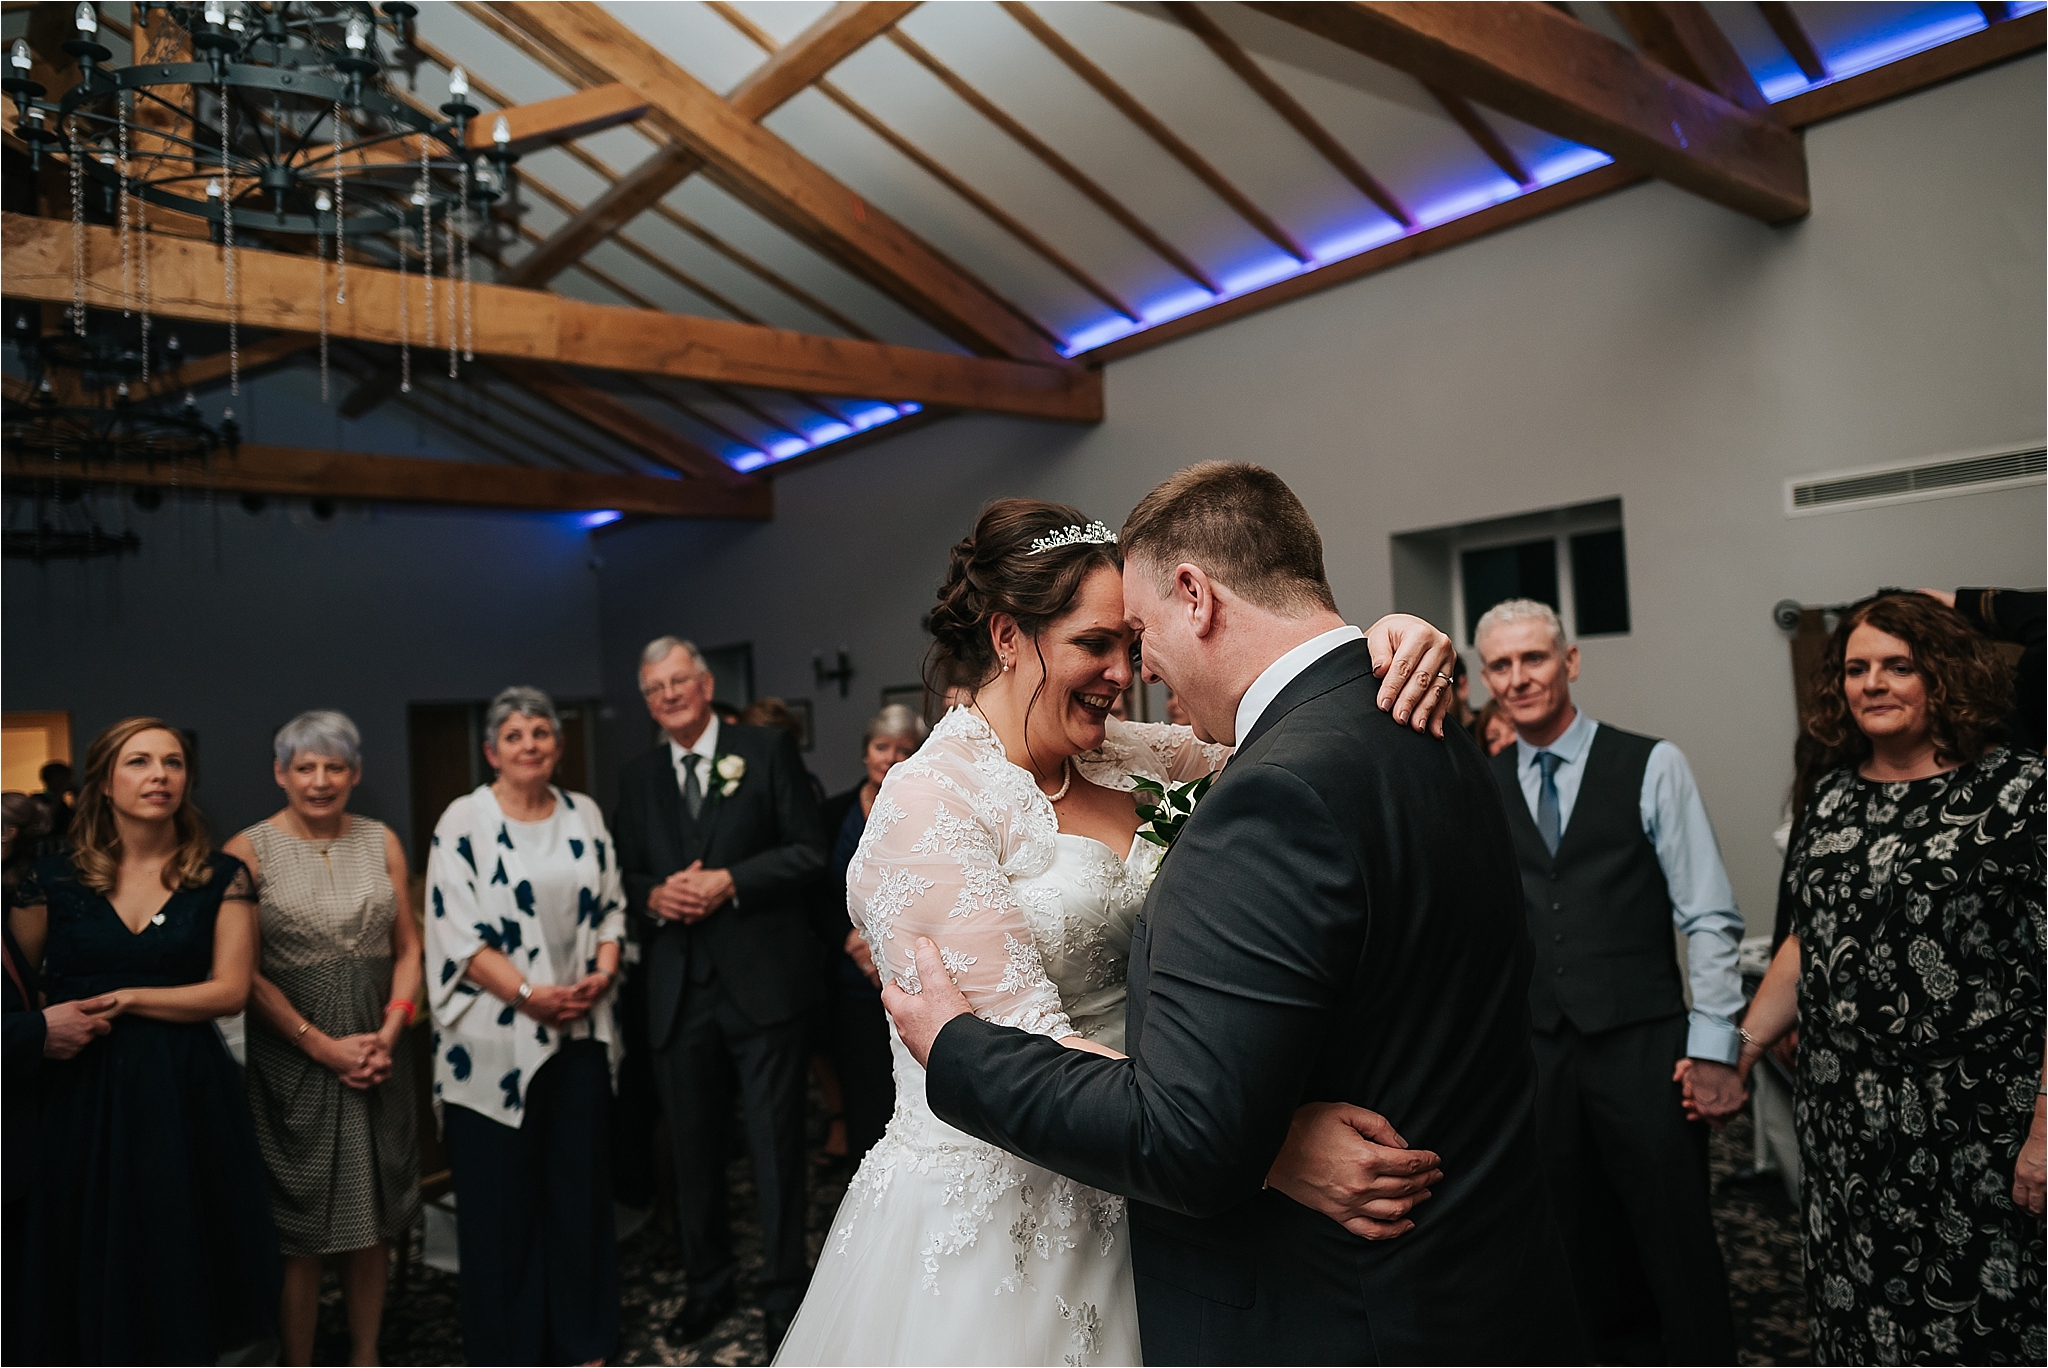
1615,850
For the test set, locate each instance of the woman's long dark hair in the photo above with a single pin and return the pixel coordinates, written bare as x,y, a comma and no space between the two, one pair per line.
994,570
1969,689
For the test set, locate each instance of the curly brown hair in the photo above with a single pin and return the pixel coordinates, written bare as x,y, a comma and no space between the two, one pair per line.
1969,688
96,841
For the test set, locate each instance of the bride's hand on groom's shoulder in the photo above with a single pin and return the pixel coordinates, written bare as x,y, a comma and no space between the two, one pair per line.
1413,661
1353,1166
920,1016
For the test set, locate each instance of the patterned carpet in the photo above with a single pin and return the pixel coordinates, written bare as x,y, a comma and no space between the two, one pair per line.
1758,1226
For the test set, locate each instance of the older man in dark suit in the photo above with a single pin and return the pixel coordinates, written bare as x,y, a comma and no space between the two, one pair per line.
1338,922
721,847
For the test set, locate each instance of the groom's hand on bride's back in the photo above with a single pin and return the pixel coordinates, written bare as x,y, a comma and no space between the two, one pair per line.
1353,1166
1413,661
920,1016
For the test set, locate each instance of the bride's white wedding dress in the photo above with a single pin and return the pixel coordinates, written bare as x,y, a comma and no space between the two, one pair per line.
947,1249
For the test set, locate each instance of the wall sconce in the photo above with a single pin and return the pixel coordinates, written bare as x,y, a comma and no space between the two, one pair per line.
842,672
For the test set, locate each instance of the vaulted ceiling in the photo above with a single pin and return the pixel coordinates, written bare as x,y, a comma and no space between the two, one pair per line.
750,234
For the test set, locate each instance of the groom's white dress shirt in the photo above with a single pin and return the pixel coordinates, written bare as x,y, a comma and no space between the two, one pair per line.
706,749
1282,672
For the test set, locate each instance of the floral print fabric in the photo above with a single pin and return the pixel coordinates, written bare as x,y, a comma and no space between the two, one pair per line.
1919,910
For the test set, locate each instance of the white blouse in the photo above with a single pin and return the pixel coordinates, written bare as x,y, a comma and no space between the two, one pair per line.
543,894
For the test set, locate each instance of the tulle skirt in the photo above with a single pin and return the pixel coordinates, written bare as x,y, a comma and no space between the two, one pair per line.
947,1250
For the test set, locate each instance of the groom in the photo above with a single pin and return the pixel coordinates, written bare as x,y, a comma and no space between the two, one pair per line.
1340,921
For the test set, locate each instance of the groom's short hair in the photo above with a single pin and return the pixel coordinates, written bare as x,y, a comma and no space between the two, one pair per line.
1243,526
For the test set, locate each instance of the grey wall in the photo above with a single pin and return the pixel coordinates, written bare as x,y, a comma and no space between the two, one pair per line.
1649,347
366,613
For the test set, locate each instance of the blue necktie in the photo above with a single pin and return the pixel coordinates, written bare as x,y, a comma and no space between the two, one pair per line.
1548,826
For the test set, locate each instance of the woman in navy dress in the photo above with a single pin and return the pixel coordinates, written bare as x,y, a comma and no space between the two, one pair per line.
149,1229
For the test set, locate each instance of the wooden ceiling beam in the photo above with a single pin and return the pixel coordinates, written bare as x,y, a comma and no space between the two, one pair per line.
598,168
1959,57
1059,165
1794,36
931,167
1533,64
547,122
1103,84
299,472
1483,134
1684,37
275,290
841,32
592,405
776,180
1232,54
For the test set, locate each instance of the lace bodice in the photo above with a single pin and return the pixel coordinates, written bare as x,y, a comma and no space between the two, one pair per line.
1033,924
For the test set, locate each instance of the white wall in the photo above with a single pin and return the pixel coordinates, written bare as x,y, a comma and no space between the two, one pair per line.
366,613
1648,346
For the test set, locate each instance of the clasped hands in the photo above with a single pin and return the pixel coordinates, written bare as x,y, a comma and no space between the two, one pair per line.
1346,1162
69,1027
690,895
1710,1092
558,1005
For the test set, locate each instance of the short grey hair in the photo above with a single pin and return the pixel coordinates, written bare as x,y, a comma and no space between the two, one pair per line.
524,701
1509,611
319,732
658,650
894,720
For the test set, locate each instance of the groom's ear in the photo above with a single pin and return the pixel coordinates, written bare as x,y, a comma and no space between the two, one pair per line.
1195,594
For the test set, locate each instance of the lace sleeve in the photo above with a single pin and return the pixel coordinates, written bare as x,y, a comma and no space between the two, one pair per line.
241,888
1175,749
928,865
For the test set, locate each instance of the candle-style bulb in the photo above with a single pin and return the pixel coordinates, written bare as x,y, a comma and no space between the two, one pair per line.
323,204
358,33
21,58
235,12
84,19
458,83
216,12
213,188
501,131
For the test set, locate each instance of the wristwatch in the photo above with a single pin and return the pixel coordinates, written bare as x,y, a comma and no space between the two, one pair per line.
525,991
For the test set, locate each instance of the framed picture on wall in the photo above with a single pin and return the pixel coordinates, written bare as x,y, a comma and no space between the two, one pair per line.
800,709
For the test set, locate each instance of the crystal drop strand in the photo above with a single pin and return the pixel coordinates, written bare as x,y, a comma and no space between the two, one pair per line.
448,233
404,322
77,228
320,255
425,197
124,112
227,232
468,285
340,238
142,241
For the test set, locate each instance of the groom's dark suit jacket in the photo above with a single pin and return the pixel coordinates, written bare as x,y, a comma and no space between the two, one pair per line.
1340,920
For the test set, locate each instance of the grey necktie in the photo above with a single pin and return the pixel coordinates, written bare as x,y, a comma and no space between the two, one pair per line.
693,792
1547,824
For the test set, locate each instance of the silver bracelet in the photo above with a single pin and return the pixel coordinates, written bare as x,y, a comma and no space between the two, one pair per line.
525,991
1747,1038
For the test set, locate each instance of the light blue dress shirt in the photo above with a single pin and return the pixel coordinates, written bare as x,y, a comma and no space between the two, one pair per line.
1702,900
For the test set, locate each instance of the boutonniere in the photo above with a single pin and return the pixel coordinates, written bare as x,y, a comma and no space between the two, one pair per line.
732,769
1167,809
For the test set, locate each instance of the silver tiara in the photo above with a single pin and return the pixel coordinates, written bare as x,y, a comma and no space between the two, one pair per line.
1094,534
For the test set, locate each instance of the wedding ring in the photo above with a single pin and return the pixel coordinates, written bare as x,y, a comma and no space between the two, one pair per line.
1444,677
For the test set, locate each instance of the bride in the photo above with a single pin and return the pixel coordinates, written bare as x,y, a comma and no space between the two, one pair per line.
1012,840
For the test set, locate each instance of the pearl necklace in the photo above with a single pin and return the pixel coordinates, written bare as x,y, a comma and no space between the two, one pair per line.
1066,767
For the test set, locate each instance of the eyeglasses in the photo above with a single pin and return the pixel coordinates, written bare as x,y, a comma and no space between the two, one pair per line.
660,688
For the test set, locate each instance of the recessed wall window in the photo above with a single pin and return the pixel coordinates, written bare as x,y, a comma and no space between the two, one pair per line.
1572,558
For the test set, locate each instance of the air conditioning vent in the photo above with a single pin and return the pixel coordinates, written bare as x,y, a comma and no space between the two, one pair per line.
1973,473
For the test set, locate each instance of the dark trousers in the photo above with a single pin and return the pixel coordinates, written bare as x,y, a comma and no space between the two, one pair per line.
712,1047
1630,1186
860,1054
533,1219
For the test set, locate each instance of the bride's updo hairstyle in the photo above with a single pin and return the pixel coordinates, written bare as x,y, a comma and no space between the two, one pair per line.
994,570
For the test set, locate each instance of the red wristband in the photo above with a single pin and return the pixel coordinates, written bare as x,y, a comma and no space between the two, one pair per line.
404,1003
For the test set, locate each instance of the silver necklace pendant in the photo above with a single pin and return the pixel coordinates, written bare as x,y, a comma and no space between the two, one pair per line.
157,920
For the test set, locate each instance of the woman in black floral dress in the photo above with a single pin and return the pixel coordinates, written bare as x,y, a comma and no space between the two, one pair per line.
1914,968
